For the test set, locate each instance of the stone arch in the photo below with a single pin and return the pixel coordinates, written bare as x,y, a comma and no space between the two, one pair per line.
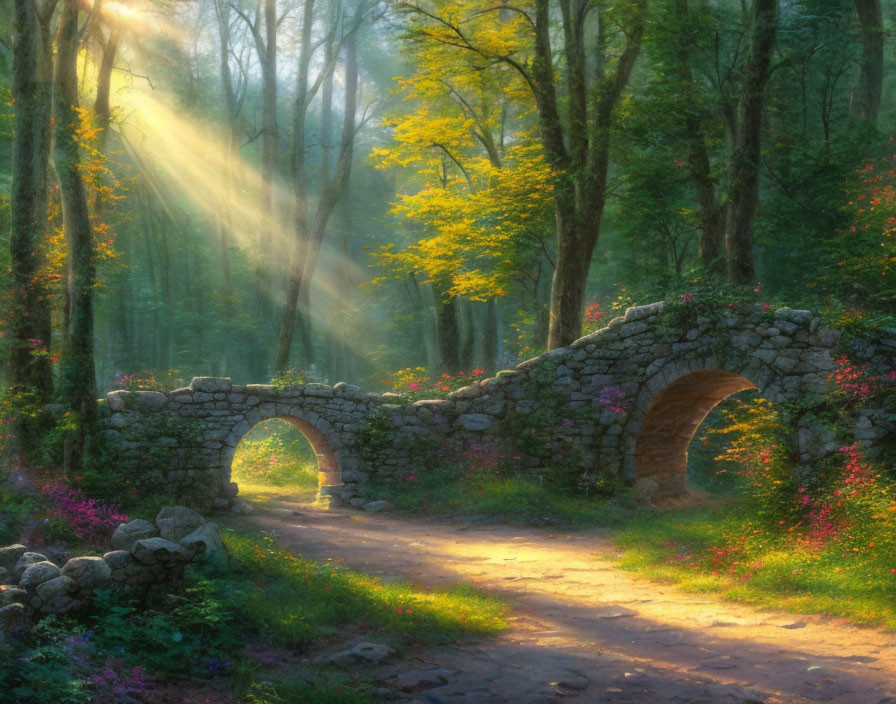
658,446
316,430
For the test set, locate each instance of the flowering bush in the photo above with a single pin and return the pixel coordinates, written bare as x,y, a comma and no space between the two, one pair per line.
417,383
593,315
842,505
92,521
864,253
116,684
290,377
149,381
610,397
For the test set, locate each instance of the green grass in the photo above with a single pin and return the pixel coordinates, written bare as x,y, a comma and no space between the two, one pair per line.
290,599
764,569
306,692
498,498
260,492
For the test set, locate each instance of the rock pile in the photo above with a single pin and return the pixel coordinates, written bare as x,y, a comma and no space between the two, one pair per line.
144,553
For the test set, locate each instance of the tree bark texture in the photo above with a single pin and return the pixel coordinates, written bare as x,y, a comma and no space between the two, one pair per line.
77,375
867,98
746,156
32,91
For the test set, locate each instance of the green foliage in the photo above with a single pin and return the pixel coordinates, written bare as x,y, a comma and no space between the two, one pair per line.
275,453
416,383
290,377
487,490
720,550
147,380
708,303
181,639
306,692
46,668
375,434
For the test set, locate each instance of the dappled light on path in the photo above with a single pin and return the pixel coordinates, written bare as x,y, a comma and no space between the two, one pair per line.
582,627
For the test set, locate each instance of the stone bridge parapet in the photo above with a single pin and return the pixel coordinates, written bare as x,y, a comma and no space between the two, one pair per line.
619,405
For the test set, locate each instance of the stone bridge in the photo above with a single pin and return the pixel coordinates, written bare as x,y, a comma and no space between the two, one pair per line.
618,406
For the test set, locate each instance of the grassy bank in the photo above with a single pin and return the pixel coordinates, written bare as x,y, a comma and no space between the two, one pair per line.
246,634
714,550
492,497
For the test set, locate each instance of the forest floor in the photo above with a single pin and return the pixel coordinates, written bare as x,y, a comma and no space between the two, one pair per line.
583,629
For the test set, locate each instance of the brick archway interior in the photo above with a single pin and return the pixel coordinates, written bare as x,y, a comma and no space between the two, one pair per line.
661,450
328,472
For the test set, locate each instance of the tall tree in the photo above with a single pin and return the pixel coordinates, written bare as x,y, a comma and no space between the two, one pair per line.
745,159
234,93
576,141
78,381
310,230
32,92
264,33
712,211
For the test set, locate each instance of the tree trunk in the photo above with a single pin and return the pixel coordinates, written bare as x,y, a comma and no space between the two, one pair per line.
712,216
575,246
746,156
867,97
580,189
32,90
77,375
468,334
101,105
233,101
447,327
269,139
419,310
490,337
308,243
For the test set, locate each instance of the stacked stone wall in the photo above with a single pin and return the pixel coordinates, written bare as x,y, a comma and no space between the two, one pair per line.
617,405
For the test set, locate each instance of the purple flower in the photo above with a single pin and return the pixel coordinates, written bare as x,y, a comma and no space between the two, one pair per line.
609,396
91,521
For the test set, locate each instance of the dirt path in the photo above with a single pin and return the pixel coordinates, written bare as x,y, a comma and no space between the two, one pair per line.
584,630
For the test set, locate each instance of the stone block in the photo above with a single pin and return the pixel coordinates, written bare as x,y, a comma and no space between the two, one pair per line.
476,422
211,384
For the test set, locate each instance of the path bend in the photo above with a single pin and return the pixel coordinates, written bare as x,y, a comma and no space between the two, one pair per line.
584,630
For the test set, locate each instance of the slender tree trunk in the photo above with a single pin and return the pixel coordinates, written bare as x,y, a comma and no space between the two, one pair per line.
447,328
418,306
309,240
746,156
468,334
867,97
32,90
102,106
269,140
712,216
233,101
289,314
340,333
78,375
490,336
